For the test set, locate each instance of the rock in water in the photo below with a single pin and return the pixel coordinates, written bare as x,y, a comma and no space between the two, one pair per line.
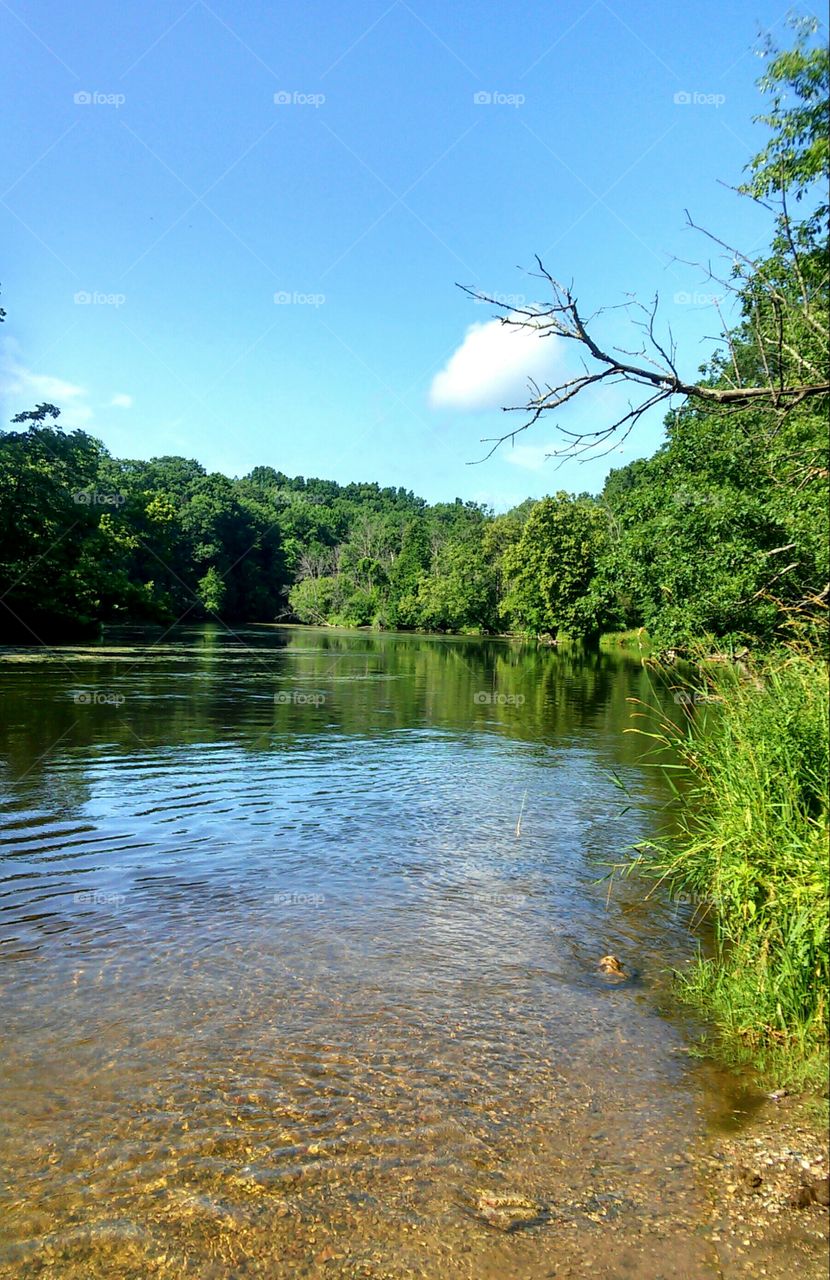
508,1212
802,1197
749,1179
816,1191
610,967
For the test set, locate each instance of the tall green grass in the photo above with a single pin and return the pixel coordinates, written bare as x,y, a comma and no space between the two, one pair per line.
750,847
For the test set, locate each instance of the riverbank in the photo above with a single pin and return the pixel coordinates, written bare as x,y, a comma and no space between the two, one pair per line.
768,1192
749,849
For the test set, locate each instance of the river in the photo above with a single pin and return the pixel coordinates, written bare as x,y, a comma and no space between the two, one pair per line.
298,943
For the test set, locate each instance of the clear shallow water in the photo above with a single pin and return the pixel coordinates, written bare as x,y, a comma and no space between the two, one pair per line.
283,987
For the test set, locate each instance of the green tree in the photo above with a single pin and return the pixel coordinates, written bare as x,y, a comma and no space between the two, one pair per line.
49,512
550,571
211,591
459,594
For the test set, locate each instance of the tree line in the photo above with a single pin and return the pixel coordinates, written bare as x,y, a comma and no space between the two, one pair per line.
722,533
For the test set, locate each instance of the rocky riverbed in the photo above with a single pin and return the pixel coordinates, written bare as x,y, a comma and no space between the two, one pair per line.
769,1193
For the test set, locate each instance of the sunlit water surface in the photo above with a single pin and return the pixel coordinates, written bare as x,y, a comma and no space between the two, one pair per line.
298,936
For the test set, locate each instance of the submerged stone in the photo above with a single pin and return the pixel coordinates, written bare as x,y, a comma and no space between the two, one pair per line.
509,1212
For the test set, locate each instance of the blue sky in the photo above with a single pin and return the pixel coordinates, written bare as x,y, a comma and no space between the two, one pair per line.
232,230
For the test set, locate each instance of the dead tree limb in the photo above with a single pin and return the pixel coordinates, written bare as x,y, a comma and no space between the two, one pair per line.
652,367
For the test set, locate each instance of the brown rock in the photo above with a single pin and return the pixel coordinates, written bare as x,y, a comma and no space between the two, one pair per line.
821,1190
803,1197
750,1179
508,1212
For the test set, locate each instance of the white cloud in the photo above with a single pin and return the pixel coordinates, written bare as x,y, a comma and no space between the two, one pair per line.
23,389
39,386
492,367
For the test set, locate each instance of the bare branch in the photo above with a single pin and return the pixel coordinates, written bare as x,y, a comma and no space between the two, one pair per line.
653,366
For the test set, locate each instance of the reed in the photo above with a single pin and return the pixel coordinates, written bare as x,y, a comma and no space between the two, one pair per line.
750,844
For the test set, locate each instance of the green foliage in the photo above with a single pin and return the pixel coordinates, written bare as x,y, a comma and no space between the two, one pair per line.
211,591
724,532
751,848
406,565
85,538
313,599
459,592
413,561
551,570
47,520
797,152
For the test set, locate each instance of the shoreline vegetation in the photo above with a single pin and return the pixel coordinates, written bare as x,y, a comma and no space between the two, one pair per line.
749,850
713,552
